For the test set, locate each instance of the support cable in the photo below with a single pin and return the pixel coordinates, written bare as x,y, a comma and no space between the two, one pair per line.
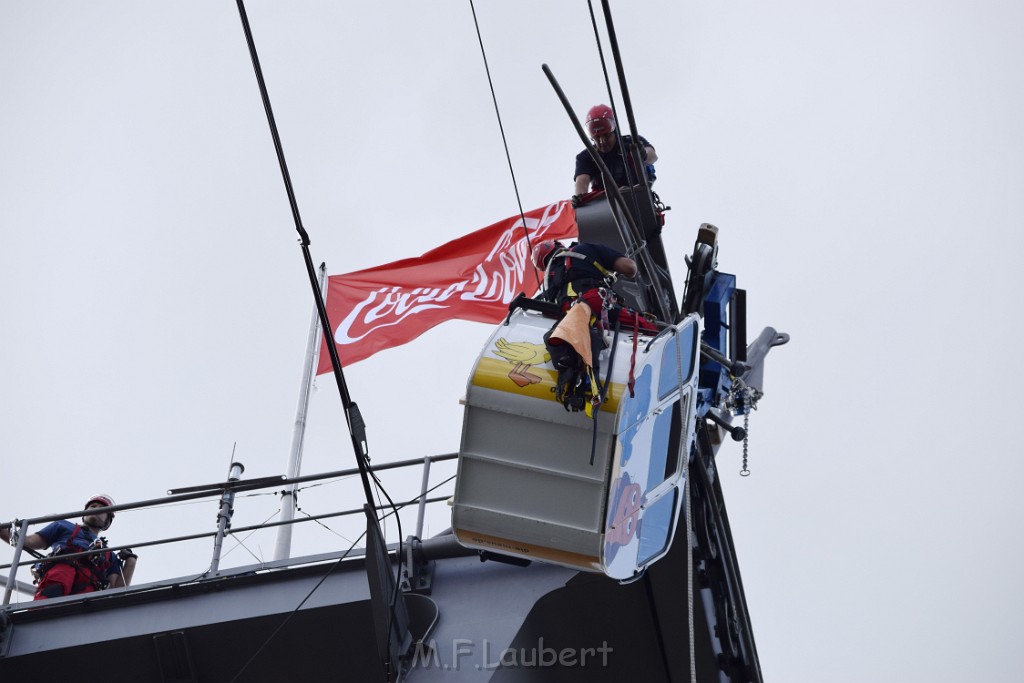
398,584
689,530
330,570
659,633
240,542
611,95
689,573
611,102
627,103
288,616
600,54
631,238
353,417
356,426
504,141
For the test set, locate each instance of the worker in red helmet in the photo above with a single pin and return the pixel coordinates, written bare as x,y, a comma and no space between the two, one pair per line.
57,577
604,132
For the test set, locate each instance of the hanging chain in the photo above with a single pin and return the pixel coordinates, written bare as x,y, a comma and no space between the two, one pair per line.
746,398
745,472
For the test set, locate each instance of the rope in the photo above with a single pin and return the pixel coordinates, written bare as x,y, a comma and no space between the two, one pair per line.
309,516
294,611
611,102
632,359
689,528
334,566
603,388
689,575
241,541
600,53
397,579
504,141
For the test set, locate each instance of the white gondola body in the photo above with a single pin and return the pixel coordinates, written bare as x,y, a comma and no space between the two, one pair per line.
526,486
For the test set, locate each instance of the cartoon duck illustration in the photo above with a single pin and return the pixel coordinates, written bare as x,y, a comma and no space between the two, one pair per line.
522,355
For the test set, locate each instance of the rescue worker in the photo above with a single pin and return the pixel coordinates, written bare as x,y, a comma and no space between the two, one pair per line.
85,574
582,271
604,132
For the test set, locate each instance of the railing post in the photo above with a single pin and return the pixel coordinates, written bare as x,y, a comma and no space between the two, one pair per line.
423,497
227,501
18,547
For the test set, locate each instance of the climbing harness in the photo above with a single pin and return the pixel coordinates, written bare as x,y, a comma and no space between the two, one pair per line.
564,288
94,567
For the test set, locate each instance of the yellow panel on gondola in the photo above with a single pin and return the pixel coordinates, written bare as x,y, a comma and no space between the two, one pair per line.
533,381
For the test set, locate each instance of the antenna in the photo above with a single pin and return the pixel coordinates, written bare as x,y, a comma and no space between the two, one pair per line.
394,640
357,428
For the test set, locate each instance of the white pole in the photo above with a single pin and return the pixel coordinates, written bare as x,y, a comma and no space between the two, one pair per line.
283,547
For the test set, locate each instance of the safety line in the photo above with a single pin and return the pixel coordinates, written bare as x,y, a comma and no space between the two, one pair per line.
504,141
611,102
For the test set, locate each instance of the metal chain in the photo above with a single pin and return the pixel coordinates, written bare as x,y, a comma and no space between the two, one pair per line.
745,472
745,397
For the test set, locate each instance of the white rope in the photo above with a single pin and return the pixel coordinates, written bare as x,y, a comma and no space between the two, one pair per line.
689,518
689,526
689,577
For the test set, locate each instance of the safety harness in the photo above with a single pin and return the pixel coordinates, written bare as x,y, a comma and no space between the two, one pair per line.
94,567
565,289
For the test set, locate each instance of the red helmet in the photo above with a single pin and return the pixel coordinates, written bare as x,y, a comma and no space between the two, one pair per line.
106,501
542,252
600,120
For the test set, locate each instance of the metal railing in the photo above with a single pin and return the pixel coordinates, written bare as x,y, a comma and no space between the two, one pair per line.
226,490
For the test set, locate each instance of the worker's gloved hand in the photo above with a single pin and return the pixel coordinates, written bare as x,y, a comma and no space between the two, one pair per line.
127,554
576,200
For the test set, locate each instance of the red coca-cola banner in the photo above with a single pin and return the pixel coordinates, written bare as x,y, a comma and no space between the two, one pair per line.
474,277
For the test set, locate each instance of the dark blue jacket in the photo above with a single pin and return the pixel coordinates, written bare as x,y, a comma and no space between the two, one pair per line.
615,163
581,274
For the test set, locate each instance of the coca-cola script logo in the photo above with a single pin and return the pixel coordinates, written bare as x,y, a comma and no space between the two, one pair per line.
496,279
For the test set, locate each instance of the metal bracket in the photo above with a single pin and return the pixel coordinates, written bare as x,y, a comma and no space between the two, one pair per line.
417,572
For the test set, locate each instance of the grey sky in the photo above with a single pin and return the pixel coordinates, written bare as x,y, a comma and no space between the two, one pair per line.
864,162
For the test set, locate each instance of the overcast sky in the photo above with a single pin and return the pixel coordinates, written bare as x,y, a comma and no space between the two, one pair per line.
863,160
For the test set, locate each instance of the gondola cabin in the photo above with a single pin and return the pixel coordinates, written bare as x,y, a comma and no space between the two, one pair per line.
600,494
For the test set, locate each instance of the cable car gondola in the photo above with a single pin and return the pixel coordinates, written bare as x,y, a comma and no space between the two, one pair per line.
600,494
